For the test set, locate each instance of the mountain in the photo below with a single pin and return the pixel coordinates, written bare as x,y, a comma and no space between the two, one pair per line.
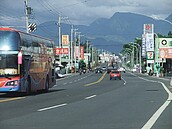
109,34
169,18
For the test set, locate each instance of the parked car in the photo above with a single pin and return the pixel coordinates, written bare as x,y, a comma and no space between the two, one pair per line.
114,74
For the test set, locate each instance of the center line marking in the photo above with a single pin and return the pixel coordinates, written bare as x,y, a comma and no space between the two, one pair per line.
52,107
11,99
89,84
91,97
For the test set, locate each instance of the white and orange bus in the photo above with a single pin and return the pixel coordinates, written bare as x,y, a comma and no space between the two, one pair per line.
26,62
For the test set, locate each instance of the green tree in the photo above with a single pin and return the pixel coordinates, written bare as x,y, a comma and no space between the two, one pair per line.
82,64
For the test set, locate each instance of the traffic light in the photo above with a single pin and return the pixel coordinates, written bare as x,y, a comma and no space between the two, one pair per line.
32,27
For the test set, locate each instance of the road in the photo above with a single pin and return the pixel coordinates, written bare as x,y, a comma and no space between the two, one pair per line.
92,101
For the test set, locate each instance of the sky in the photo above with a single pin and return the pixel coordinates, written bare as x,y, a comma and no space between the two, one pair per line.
78,12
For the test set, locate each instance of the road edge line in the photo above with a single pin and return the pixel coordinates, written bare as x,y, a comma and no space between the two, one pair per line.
161,109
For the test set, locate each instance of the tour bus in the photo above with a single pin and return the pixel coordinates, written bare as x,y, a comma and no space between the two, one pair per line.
26,62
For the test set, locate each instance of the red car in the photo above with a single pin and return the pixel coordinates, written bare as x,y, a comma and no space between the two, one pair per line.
115,74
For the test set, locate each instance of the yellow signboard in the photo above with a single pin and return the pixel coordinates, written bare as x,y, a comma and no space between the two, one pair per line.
65,40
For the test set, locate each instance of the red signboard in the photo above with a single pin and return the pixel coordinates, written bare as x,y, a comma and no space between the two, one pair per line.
82,52
61,51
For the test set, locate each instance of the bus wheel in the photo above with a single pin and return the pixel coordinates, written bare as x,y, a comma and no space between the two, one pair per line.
28,87
47,85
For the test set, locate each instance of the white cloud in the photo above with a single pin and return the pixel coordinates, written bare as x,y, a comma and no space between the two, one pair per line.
81,11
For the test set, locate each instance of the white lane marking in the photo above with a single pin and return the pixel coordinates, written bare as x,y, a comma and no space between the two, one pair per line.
52,107
64,83
91,97
125,82
70,82
157,114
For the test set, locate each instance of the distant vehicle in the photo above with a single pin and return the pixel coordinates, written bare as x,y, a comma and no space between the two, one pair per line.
114,74
59,71
122,69
134,70
98,70
111,68
104,68
27,62
82,71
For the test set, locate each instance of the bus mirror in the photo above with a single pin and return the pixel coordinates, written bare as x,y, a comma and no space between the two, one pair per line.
20,57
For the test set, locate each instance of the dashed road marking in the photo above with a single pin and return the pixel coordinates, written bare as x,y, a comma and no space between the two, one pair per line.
52,107
91,97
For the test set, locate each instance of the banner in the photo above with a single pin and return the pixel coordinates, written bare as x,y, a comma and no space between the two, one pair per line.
77,52
65,40
143,45
82,52
149,42
61,51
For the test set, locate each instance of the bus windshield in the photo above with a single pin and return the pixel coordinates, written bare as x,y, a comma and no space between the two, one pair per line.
9,40
9,64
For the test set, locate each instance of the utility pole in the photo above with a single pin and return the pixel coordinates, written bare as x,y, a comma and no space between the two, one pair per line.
79,44
133,57
71,46
27,16
59,31
75,48
87,46
30,27
92,51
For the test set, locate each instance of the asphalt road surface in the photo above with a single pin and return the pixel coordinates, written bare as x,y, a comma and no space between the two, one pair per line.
92,101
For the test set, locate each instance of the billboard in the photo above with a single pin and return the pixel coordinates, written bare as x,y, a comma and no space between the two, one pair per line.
65,40
165,42
149,42
165,47
165,52
143,45
61,51
148,28
150,57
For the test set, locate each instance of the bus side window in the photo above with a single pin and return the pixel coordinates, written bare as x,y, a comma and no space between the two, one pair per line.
25,65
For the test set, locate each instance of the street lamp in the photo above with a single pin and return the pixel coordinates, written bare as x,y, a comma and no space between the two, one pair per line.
140,62
130,51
